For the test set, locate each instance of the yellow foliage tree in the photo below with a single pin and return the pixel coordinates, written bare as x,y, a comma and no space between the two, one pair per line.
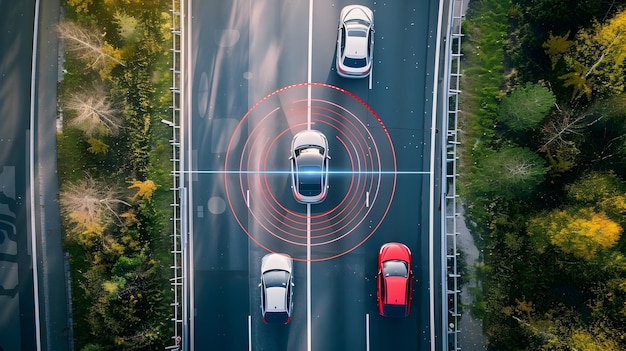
145,189
595,58
582,233
556,46
583,340
603,191
97,146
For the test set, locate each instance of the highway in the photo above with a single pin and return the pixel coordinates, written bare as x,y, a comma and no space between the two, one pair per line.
33,296
257,73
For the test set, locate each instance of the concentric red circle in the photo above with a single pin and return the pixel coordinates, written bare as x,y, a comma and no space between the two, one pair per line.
362,172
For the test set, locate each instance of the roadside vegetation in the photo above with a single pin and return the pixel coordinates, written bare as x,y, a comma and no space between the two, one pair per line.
114,166
543,170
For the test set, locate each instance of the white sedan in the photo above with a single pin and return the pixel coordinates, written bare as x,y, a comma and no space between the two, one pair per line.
355,42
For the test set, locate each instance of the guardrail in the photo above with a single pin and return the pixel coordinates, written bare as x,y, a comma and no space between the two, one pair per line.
453,288
177,281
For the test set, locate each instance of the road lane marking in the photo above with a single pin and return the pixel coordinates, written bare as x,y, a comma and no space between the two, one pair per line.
431,214
249,333
367,199
309,65
186,230
33,71
308,277
248,198
308,206
367,332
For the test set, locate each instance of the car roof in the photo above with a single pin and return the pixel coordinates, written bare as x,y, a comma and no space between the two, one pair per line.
276,299
356,47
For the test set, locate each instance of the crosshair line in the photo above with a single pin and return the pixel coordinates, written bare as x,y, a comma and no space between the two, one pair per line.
282,172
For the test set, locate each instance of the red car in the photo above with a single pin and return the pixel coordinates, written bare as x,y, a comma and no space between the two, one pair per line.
394,280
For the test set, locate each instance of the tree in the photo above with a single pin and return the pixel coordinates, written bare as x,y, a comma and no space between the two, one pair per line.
95,112
526,106
595,62
556,46
512,171
604,192
97,146
90,47
562,134
90,205
144,189
581,232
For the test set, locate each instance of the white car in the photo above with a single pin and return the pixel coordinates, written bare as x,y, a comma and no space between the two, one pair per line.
355,42
276,288
309,166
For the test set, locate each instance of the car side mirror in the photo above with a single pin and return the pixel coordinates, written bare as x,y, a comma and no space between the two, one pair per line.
259,285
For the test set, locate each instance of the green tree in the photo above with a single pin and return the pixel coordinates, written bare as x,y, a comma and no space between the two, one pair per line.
512,172
526,106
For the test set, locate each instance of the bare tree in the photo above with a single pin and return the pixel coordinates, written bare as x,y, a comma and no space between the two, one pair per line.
559,134
88,45
90,205
95,112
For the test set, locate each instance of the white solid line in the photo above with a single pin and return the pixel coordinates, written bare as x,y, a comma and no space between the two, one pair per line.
308,206
185,123
309,64
367,199
33,71
308,277
431,214
367,332
248,198
249,333
371,73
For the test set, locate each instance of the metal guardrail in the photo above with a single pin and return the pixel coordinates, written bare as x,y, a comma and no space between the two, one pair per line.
453,288
176,280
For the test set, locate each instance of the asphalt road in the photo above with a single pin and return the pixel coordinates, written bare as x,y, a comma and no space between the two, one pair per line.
253,87
30,212
17,310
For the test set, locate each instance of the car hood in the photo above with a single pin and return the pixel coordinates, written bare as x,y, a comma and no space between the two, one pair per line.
395,252
276,261
356,12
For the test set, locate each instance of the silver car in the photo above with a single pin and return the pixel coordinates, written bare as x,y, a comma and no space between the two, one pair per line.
276,288
309,167
355,42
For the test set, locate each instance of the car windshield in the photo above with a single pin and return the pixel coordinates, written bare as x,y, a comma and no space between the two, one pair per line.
354,62
394,310
312,150
276,278
357,21
357,33
395,268
277,317
310,179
